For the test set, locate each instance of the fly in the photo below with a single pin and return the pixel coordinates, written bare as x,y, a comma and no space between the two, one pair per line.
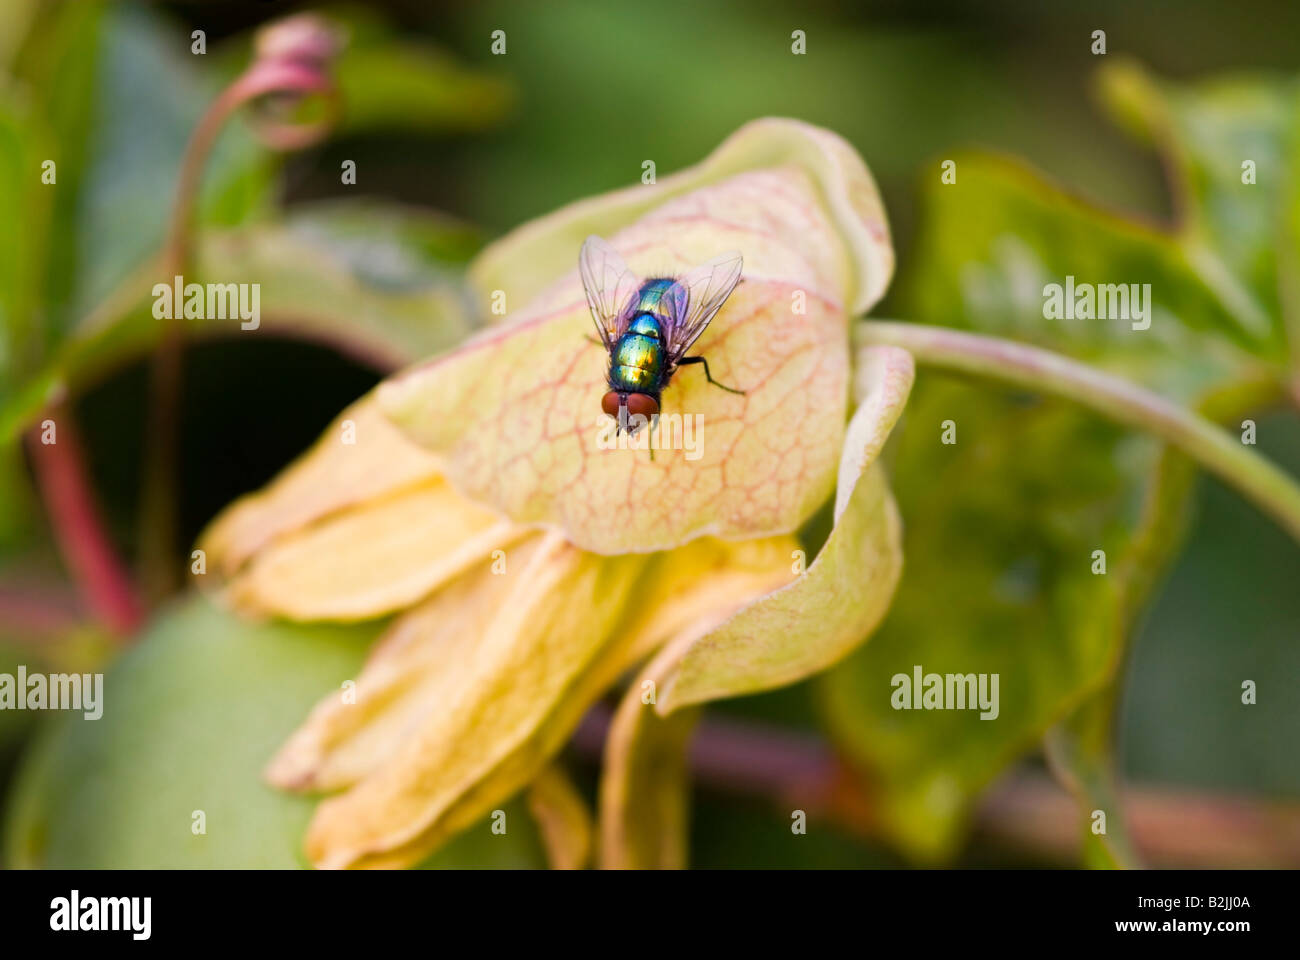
647,326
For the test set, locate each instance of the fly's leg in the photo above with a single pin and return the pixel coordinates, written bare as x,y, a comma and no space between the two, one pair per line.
708,376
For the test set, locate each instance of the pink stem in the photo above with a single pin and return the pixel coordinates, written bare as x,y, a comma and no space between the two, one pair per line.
79,527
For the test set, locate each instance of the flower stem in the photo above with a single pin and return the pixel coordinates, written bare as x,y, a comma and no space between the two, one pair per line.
281,71
1269,488
61,475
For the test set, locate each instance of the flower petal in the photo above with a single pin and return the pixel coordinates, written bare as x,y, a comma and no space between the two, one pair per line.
530,676
643,784
516,411
331,476
563,818
837,602
413,671
378,557
527,261
466,698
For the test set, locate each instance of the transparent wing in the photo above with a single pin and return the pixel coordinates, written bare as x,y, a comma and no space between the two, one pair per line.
609,285
695,299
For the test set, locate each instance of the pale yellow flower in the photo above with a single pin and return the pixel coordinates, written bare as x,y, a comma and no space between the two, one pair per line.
527,571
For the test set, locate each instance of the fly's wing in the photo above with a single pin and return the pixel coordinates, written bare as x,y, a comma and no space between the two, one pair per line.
609,285
696,297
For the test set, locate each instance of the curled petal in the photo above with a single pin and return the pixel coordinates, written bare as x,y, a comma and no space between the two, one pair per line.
841,598
563,818
527,261
643,784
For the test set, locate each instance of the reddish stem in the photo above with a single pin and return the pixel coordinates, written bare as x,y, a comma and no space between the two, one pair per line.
1028,811
158,517
74,513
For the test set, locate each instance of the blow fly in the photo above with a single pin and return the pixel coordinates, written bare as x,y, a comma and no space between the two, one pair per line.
647,326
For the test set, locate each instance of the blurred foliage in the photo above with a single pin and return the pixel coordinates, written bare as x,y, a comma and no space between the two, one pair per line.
197,708
117,127
1003,525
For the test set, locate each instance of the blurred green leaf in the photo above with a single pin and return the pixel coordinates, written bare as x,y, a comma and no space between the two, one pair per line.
190,717
379,281
393,85
990,243
119,93
999,534
1245,234
109,95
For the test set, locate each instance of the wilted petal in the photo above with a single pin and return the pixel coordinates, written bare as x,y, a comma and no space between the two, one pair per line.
516,412
643,785
814,621
533,663
380,556
563,819
467,698
331,476
414,670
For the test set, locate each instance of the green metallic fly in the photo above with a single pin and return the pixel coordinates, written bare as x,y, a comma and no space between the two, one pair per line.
648,325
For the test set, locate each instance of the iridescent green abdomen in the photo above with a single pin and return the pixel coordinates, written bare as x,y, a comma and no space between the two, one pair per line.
637,362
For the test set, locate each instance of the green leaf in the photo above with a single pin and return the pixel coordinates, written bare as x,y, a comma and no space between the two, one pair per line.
1213,136
190,717
394,85
999,534
110,97
1000,528
120,94
990,243
379,281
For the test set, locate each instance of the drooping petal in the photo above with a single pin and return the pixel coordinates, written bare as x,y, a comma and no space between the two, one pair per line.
516,412
506,714
563,818
414,670
467,697
643,782
378,557
643,785
333,475
836,603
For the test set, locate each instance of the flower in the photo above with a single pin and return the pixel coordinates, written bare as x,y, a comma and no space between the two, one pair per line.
527,570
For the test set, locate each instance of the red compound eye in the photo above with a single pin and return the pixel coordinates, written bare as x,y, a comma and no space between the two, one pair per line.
640,404
609,403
